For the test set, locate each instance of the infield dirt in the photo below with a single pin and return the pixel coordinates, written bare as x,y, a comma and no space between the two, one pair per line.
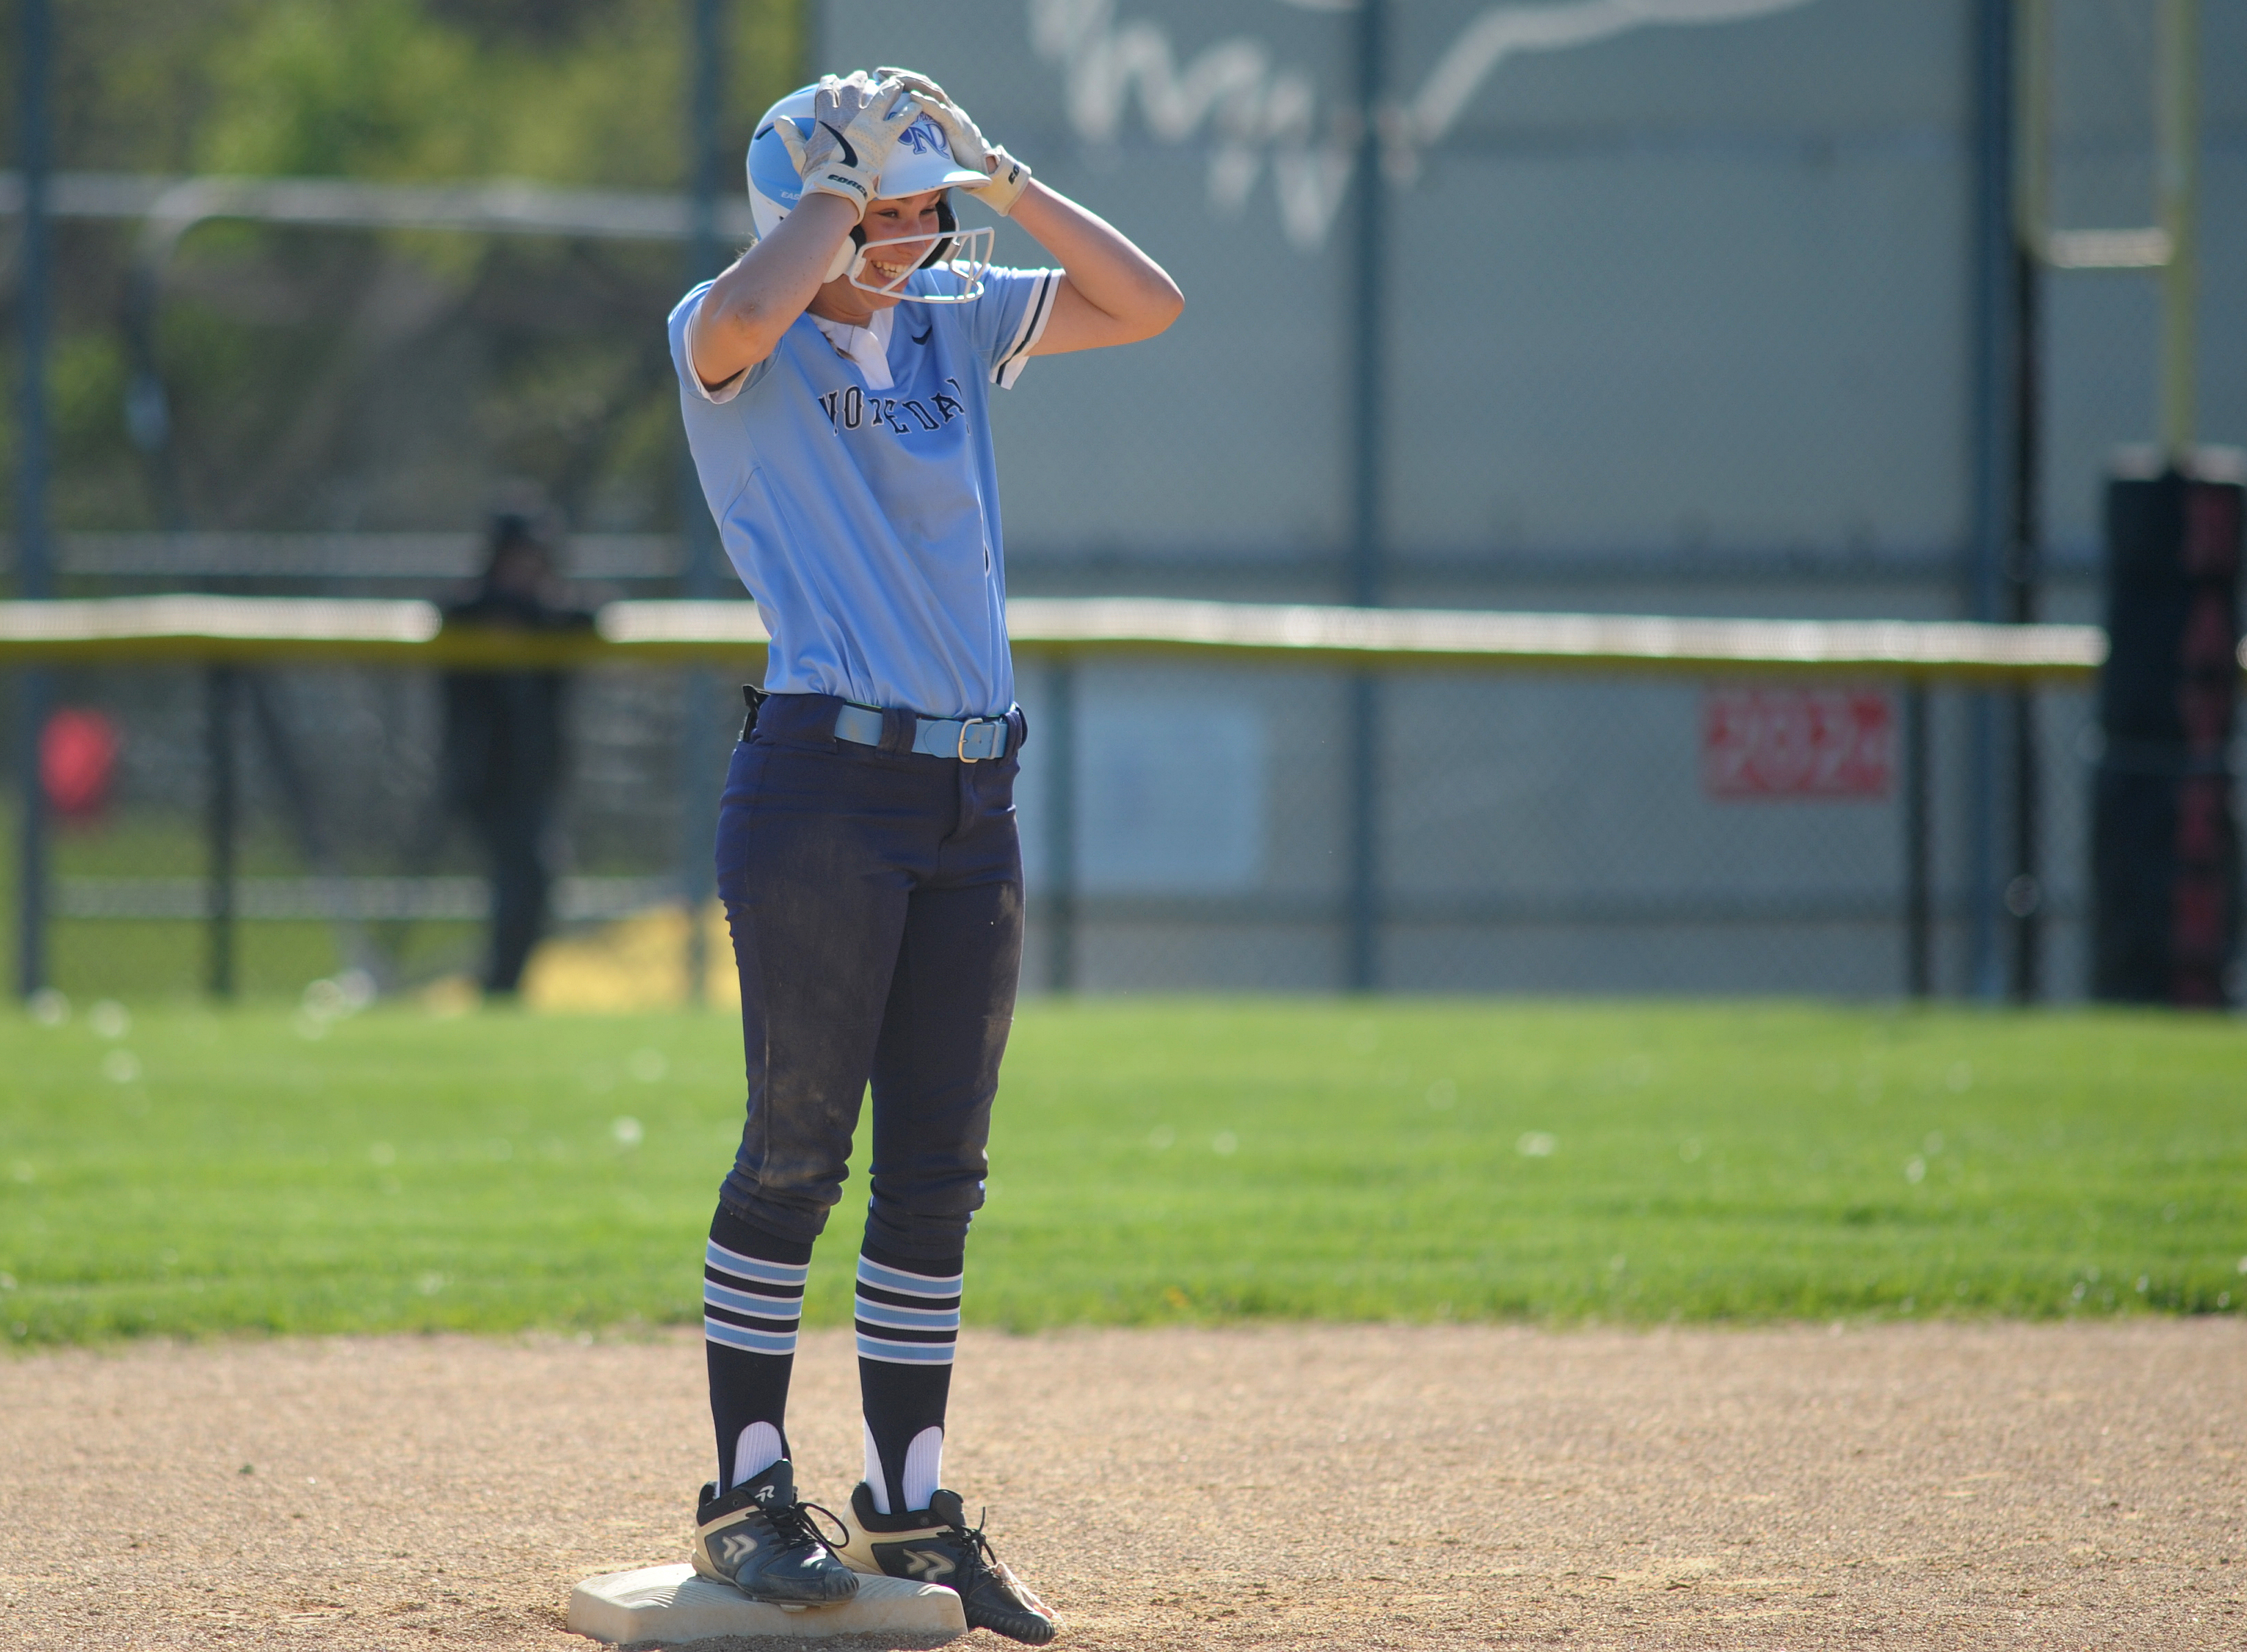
1907,1485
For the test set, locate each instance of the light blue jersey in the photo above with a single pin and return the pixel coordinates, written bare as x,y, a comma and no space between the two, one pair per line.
866,522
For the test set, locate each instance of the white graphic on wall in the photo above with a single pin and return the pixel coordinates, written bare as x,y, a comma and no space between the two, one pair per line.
1258,113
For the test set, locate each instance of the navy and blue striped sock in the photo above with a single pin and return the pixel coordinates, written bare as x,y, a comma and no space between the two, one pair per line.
752,1301
908,1315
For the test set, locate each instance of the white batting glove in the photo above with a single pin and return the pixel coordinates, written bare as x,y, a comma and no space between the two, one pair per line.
1009,177
855,125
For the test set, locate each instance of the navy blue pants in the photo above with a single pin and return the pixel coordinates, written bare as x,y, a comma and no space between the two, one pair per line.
875,896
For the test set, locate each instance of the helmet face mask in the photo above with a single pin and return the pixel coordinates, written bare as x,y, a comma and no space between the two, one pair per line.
921,161
966,253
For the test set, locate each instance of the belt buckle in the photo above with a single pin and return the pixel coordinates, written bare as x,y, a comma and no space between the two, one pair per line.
966,723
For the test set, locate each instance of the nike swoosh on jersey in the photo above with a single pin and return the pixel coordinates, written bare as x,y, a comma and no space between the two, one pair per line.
850,156
923,337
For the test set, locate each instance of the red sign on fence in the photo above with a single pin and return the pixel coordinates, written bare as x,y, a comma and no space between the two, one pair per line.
1796,742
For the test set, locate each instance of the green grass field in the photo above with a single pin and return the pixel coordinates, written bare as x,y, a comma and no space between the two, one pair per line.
198,1172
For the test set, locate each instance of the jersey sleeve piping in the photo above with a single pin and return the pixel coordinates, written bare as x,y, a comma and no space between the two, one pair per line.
1035,314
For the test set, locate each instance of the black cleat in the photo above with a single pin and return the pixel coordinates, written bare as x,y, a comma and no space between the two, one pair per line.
759,1537
938,1545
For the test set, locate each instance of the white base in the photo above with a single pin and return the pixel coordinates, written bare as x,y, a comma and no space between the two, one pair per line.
670,1605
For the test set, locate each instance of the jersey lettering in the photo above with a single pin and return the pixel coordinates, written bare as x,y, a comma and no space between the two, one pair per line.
851,408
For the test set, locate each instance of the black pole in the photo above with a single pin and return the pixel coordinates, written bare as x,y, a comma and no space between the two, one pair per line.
220,686
1362,960
1059,733
705,72
34,563
148,421
699,727
2025,890
1996,344
1918,862
1366,364
1362,963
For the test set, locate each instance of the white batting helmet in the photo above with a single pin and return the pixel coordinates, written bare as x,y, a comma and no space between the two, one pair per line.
922,160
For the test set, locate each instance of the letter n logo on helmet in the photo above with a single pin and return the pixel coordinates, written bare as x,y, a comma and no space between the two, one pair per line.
925,137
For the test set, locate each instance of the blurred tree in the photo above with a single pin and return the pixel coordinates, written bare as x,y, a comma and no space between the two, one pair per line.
322,378
368,88
561,91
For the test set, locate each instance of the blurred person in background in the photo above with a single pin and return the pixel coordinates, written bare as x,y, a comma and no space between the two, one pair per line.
505,749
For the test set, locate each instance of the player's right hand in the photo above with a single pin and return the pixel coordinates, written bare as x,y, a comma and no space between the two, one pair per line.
856,122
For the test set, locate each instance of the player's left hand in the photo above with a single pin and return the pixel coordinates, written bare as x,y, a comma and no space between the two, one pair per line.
1009,177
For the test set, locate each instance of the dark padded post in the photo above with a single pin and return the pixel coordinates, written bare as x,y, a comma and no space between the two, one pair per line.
2165,839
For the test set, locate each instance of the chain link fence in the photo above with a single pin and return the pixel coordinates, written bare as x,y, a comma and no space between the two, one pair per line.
1670,318
1183,828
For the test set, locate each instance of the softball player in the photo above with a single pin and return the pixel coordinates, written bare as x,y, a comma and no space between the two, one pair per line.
834,382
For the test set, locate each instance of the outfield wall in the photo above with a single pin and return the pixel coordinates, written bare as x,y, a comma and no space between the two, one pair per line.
1676,289
1678,321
